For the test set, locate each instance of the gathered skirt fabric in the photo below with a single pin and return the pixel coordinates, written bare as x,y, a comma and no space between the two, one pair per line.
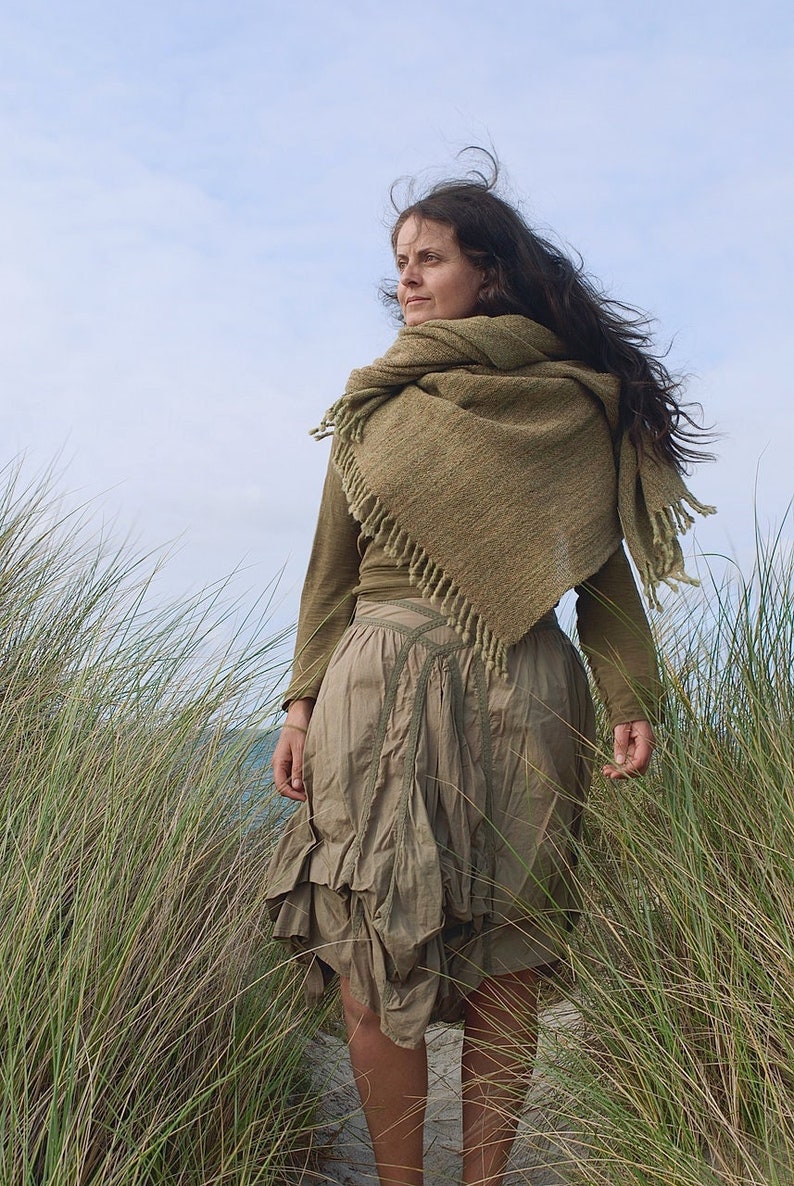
437,845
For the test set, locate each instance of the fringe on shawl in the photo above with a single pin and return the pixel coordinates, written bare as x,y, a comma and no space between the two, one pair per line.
342,420
433,581
665,566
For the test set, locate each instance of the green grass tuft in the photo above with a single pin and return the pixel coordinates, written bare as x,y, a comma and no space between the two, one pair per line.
682,1072
149,1032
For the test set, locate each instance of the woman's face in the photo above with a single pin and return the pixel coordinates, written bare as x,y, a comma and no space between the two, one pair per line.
436,279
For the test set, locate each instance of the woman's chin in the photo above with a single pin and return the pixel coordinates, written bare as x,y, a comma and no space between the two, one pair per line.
415,315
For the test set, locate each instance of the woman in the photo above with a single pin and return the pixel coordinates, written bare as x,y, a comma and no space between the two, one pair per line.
496,456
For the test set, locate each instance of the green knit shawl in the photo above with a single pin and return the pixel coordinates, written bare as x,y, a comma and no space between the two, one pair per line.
494,469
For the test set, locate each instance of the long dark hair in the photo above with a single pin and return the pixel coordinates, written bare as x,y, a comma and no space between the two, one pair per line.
527,274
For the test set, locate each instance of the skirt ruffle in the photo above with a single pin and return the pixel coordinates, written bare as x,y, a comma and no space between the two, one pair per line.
438,842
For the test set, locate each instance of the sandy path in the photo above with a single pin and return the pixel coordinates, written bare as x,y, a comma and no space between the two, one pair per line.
537,1158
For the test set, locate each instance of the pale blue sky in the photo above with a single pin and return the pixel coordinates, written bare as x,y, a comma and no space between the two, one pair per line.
192,223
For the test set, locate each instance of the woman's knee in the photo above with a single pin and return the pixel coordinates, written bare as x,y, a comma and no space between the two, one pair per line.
358,1016
510,999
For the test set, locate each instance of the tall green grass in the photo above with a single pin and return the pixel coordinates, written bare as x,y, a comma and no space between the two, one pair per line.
682,1071
148,1034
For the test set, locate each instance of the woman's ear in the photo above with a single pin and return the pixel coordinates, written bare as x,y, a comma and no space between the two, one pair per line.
485,291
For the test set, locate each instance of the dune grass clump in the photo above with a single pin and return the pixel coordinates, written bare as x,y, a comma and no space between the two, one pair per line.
148,1034
682,1071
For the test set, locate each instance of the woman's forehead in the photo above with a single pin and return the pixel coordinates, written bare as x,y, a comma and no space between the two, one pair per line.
422,232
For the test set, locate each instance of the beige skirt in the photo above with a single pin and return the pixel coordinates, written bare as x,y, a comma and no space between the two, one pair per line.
437,845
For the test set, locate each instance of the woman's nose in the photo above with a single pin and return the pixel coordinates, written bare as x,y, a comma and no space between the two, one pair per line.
409,274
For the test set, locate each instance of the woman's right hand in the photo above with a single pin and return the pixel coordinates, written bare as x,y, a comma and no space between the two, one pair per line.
288,754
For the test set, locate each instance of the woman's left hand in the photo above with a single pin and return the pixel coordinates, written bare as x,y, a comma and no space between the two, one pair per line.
634,742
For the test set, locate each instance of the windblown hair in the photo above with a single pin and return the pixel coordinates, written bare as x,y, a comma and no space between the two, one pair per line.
527,274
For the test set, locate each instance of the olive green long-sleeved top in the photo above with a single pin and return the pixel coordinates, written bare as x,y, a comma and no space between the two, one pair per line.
345,565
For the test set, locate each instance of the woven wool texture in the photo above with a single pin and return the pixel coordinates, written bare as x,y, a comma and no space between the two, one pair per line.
493,466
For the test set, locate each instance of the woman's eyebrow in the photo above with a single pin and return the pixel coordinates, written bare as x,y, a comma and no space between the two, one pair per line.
421,251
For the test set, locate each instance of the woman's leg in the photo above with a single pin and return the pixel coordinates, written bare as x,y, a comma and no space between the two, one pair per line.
392,1083
498,1053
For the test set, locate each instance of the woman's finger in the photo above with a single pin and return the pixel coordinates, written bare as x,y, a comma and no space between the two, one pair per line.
288,764
634,742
